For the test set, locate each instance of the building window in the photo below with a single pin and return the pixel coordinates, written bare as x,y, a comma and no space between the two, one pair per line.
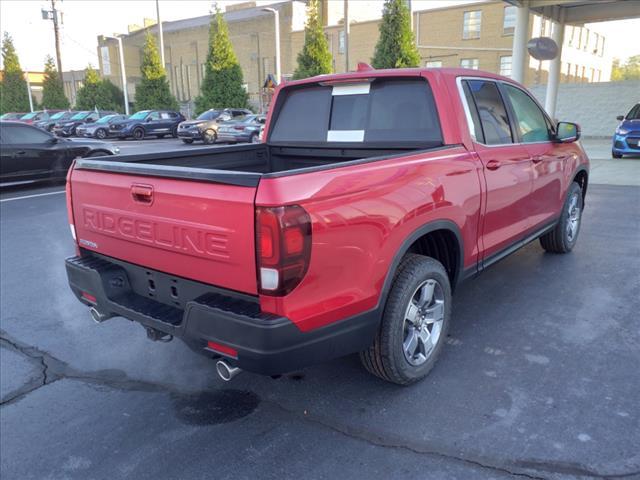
434,64
341,42
509,22
470,63
505,65
471,24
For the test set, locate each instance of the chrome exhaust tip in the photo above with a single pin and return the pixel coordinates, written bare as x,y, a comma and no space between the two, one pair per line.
225,371
98,316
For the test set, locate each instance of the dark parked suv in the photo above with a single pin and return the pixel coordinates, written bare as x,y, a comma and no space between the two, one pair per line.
29,153
205,127
147,122
67,128
100,128
48,124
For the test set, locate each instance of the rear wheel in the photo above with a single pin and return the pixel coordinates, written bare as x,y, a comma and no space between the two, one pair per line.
564,236
138,133
616,155
101,133
187,140
209,136
254,138
174,132
414,324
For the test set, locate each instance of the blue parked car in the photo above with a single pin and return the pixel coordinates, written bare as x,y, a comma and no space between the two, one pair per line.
627,138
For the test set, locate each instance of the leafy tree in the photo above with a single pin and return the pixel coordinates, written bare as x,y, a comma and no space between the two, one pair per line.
88,96
52,89
315,57
13,87
630,70
153,91
100,94
222,85
396,44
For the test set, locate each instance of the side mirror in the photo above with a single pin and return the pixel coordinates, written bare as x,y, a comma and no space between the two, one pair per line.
567,132
53,140
620,118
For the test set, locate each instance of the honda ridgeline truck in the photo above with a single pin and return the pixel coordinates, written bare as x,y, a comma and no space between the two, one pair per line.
374,194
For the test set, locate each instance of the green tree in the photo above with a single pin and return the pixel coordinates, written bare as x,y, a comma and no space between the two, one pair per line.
153,91
630,70
88,96
396,44
112,96
315,57
222,85
14,96
52,89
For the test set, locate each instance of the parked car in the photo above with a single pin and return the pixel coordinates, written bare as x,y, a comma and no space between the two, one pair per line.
55,118
346,231
30,153
627,137
100,128
67,128
12,116
37,116
147,122
205,127
245,129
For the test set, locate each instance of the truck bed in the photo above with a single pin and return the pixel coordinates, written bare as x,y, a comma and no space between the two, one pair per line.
241,165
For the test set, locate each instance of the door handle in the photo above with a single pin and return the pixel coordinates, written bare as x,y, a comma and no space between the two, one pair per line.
21,152
493,164
142,193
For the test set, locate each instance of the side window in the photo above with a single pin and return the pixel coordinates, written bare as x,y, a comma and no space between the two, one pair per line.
531,122
165,115
23,135
491,112
154,116
475,126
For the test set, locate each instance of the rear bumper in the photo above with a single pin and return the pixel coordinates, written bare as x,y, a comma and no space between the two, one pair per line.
265,343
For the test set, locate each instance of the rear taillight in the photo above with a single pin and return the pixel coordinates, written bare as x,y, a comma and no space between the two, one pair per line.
239,127
283,244
72,226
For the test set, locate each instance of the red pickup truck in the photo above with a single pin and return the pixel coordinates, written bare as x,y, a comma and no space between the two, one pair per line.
374,194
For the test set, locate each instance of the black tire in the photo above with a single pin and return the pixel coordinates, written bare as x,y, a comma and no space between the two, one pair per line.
254,138
209,136
101,133
562,239
174,132
187,140
138,133
386,357
616,155
160,136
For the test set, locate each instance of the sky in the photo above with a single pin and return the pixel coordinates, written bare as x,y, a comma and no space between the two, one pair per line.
84,20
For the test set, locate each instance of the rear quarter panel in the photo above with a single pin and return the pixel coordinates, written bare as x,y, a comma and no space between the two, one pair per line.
361,215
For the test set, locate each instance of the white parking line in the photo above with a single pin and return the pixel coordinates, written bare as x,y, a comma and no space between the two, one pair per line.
30,196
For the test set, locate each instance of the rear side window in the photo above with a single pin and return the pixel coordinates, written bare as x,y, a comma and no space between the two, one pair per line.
491,111
385,111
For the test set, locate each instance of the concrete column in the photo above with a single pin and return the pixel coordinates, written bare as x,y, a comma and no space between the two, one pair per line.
551,98
520,38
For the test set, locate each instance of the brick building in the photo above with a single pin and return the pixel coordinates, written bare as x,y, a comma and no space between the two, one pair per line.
477,35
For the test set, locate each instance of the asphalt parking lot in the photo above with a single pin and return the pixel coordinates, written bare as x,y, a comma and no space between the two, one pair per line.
541,377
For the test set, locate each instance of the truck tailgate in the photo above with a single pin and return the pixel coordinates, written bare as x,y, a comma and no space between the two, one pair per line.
201,231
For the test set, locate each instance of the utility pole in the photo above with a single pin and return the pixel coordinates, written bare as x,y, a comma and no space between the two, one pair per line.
276,18
53,15
346,35
160,33
26,77
123,74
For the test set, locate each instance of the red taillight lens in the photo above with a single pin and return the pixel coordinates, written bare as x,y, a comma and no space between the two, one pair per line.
284,248
239,127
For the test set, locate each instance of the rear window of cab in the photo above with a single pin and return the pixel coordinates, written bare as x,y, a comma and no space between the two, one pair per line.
385,112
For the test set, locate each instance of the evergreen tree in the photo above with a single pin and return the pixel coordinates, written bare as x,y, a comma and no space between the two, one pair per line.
153,91
396,44
88,96
315,58
52,89
111,95
14,96
222,86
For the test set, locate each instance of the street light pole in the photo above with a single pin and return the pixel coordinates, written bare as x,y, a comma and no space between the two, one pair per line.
160,33
123,74
277,33
346,35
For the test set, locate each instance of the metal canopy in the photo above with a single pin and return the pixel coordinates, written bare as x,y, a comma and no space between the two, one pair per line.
587,11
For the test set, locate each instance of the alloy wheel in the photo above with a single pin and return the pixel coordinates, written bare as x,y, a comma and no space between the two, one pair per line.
423,321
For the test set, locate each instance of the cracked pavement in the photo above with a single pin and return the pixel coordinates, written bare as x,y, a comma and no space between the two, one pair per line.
540,377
